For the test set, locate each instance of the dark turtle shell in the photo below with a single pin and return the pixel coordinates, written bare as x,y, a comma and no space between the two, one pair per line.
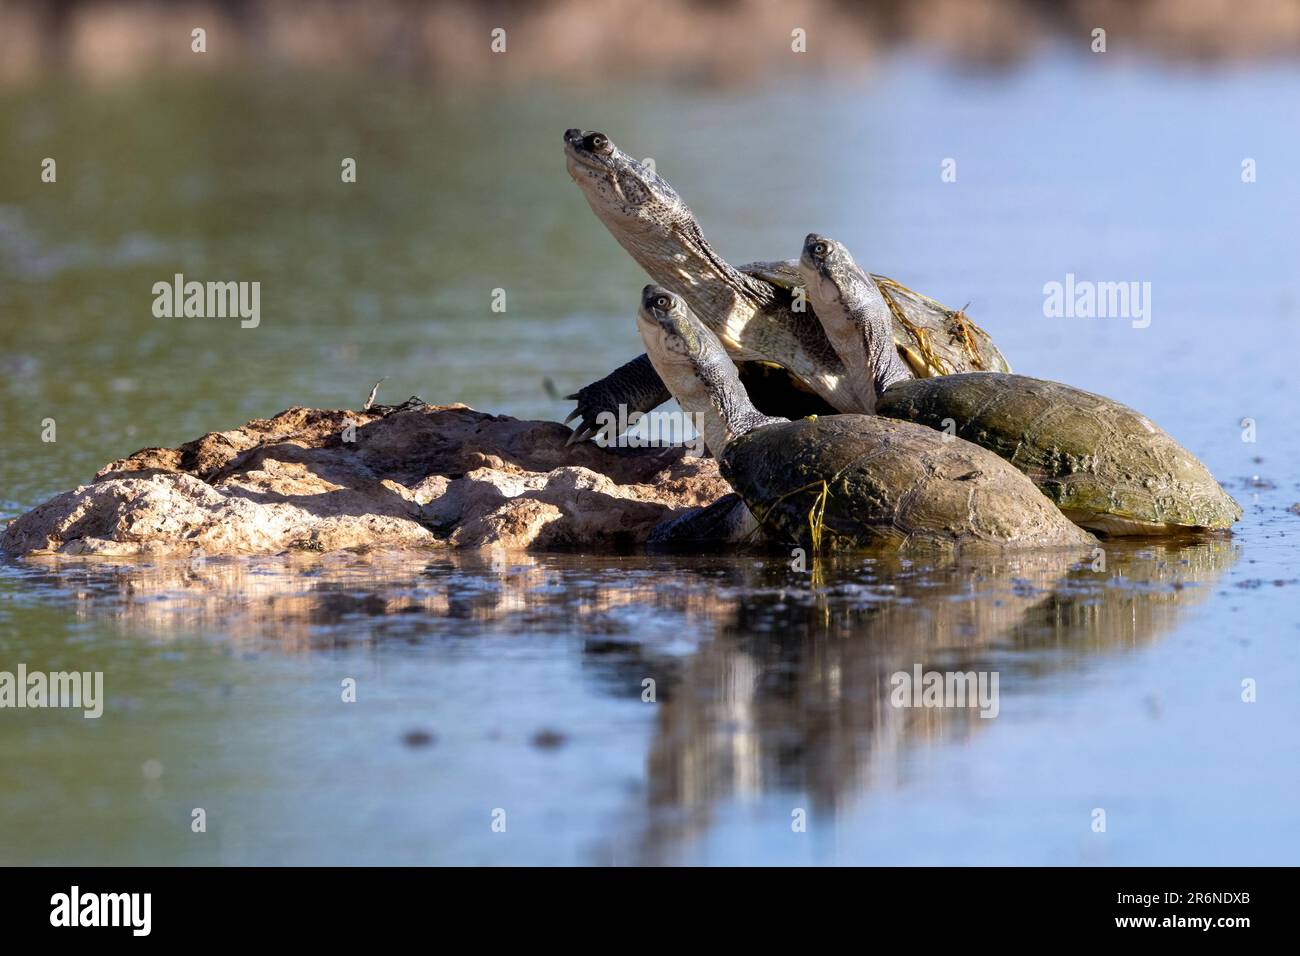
859,481
1108,467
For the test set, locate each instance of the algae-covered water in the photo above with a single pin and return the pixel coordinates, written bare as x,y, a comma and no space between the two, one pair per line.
513,690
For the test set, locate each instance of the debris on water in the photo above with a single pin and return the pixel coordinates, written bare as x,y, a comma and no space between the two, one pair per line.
374,391
1295,508
547,739
1255,481
418,738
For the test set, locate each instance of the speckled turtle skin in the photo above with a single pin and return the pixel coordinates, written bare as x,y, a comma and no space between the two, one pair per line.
1106,466
889,485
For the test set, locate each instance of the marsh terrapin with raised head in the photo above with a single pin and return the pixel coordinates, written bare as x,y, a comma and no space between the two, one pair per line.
752,309
1106,466
844,481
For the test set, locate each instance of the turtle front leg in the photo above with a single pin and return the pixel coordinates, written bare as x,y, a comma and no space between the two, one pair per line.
635,386
727,521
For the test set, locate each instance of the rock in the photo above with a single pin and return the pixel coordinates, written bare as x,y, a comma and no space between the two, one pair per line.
412,475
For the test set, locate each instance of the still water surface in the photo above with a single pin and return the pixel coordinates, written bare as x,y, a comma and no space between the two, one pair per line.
517,683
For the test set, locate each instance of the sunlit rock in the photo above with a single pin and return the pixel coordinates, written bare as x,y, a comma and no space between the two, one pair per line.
395,476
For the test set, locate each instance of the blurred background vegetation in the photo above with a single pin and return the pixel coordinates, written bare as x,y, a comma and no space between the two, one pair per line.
725,41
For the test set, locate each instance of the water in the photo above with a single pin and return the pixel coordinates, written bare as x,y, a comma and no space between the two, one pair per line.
517,686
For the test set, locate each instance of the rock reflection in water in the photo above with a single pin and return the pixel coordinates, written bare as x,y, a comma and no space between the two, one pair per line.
767,680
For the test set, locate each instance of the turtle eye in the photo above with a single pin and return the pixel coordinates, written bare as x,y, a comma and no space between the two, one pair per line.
597,143
821,248
663,303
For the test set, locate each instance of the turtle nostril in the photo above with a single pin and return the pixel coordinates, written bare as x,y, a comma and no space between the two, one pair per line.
572,135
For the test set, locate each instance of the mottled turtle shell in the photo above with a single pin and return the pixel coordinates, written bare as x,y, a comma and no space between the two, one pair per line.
1107,467
932,338
845,482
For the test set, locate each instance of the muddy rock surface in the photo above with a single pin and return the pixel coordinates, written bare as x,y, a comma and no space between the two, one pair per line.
413,475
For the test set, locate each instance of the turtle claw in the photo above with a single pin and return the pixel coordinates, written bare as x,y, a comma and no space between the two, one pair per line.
580,435
587,413
603,406
574,397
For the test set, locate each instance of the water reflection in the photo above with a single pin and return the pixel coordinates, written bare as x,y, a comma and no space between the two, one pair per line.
767,680
794,693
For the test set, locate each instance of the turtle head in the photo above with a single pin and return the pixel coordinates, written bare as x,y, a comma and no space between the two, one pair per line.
627,195
829,272
695,367
817,249
855,316
672,334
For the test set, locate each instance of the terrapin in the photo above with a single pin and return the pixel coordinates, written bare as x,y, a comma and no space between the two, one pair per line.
1106,466
844,481
752,309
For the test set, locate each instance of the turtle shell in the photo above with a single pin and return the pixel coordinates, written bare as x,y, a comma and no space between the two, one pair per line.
934,339
1108,467
931,338
845,482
